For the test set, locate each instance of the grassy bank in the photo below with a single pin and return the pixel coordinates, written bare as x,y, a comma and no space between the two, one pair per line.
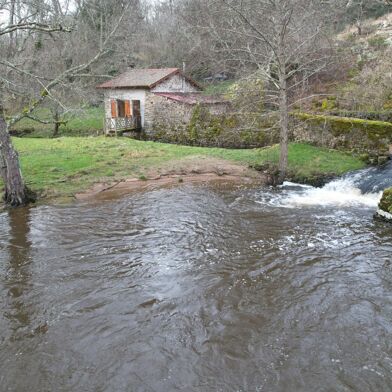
61,167
218,88
84,122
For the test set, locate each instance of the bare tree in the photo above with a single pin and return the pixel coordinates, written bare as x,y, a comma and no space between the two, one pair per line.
19,77
15,191
281,40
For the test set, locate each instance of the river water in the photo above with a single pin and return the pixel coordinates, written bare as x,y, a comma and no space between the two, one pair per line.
198,288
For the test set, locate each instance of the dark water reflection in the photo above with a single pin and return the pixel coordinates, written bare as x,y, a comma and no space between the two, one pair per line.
195,289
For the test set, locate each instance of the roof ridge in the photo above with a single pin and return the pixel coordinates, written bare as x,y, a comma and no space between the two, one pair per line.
144,78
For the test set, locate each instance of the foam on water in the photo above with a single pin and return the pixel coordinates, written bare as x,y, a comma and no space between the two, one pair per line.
360,188
341,193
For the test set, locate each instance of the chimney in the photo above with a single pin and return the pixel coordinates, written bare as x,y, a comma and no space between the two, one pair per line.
183,79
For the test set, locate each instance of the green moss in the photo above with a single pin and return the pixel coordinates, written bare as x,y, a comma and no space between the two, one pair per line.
343,125
388,105
223,130
386,201
364,157
384,115
196,124
328,104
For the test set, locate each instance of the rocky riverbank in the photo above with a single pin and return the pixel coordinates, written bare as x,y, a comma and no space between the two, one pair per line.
385,206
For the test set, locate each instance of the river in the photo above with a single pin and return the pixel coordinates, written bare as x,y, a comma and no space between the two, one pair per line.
198,288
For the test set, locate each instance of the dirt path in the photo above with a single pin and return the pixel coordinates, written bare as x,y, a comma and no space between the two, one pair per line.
186,171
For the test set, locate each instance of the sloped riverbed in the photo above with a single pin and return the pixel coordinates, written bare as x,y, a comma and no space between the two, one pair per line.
196,288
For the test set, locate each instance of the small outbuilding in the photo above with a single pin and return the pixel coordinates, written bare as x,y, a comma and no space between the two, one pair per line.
139,98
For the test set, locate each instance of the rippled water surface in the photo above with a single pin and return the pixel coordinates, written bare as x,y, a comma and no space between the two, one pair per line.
196,289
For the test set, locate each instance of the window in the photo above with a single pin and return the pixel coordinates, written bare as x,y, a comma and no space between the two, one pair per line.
121,108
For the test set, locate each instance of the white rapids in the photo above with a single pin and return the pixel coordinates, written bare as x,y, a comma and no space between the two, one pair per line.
341,193
362,188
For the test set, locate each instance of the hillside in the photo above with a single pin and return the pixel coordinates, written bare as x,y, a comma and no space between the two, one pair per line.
366,84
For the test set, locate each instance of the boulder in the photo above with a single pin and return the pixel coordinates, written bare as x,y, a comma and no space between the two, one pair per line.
385,206
382,160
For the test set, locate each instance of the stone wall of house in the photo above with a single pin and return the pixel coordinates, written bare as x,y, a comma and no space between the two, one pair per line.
370,138
210,125
160,112
175,84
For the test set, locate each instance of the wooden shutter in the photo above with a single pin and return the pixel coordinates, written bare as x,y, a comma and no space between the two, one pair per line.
128,111
114,108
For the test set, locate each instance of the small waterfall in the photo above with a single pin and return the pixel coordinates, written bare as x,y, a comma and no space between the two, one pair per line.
374,179
360,188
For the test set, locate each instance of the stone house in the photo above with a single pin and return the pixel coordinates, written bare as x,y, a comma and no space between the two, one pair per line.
140,98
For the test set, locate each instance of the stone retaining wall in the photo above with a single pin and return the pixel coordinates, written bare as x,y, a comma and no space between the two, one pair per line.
372,138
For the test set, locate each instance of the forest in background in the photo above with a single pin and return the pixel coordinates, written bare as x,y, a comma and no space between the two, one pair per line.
104,38
274,56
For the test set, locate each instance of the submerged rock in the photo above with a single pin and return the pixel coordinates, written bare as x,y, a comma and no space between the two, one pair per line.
385,206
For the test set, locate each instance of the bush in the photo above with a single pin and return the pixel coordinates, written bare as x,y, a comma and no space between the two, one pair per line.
377,42
248,94
371,89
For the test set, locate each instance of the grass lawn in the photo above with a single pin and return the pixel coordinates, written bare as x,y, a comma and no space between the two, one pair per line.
85,122
218,88
63,166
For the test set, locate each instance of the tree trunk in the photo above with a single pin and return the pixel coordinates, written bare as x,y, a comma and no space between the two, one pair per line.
15,191
57,123
11,22
359,28
284,128
56,129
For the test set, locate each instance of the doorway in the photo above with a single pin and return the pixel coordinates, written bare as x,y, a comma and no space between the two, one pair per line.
136,111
